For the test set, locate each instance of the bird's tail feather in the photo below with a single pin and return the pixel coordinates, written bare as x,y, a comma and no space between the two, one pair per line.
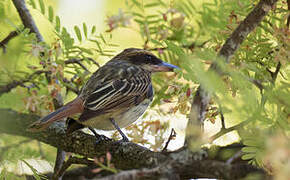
70,109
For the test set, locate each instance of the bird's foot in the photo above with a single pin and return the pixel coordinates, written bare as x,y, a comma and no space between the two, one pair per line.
124,139
101,138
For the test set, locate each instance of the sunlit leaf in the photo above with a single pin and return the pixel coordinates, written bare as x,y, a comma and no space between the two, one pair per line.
78,33
50,14
85,29
57,24
42,7
32,3
93,30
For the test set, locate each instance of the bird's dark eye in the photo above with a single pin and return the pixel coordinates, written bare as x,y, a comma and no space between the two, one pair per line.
149,57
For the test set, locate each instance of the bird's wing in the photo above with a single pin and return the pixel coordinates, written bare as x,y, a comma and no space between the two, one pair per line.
120,93
116,96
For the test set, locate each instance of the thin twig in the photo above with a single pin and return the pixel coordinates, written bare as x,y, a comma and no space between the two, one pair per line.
227,130
190,46
236,156
69,162
171,137
222,119
257,83
40,149
59,163
5,41
71,88
288,19
275,74
76,61
93,61
8,87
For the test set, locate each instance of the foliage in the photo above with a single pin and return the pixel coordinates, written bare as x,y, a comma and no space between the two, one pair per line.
254,90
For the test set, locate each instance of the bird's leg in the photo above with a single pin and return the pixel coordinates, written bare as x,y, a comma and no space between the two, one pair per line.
102,137
94,132
125,139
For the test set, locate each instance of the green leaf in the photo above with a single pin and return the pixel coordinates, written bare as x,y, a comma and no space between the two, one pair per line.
42,8
97,43
138,14
2,10
32,3
248,156
93,30
139,5
250,149
191,5
140,21
103,39
57,24
67,39
151,4
78,33
85,30
251,142
85,50
50,14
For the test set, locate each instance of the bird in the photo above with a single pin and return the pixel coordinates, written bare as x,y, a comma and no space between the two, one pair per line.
115,96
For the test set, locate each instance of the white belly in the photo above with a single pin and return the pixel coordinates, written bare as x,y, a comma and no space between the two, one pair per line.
123,120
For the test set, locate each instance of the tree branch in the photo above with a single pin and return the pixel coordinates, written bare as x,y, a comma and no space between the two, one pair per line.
5,41
125,155
8,87
202,97
26,18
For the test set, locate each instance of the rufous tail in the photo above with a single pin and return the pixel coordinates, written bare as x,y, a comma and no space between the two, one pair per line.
73,107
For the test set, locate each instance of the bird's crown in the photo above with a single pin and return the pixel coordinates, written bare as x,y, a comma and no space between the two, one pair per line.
137,56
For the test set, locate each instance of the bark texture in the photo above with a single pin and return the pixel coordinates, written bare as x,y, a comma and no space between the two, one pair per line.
126,156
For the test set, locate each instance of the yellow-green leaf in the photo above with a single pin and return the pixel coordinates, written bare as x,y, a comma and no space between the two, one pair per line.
78,33
50,14
42,8
85,30
57,24
93,30
32,3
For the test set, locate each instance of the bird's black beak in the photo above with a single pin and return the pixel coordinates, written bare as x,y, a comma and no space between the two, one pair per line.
164,67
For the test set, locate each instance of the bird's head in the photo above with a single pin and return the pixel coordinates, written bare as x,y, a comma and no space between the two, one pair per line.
144,59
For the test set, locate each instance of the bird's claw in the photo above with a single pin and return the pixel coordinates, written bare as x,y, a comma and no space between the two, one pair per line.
101,138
